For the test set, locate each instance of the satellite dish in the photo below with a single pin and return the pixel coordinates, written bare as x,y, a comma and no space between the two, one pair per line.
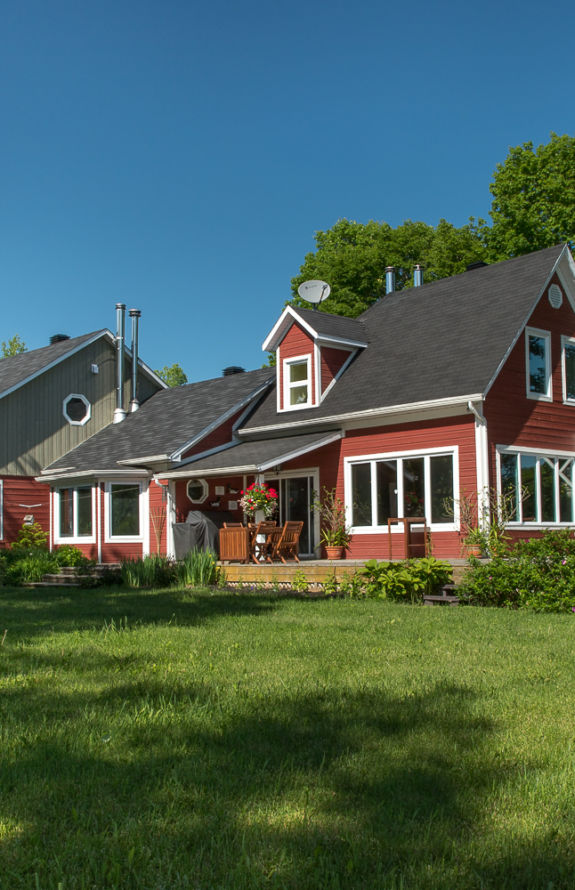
314,291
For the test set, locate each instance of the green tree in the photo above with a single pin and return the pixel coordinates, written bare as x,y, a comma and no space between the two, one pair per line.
14,346
352,258
173,375
533,198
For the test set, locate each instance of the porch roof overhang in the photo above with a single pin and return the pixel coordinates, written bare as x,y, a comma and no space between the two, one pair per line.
255,456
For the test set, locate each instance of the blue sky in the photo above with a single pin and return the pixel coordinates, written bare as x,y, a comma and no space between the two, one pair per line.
179,156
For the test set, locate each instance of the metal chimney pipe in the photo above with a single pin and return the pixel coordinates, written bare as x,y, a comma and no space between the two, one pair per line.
120,413
418,275
134,315
389,279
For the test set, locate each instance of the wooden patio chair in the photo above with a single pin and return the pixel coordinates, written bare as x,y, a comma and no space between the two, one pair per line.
288,543
258,540
233,525
234,544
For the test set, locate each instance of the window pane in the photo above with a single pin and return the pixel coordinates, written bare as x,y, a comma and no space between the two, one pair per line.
66,512
509,485
528,488
298,395
297,372
125,507
386,491
537,365
84,518
566,490
441,469
570,371
547,474
413,487
361,494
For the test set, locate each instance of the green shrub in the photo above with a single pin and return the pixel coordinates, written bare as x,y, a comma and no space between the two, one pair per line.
539,574
410,579
31,537
66,555
198,569
30,566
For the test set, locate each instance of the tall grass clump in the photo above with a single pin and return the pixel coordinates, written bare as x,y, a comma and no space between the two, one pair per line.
150,571
198,569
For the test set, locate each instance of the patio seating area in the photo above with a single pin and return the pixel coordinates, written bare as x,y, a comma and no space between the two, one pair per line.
265,542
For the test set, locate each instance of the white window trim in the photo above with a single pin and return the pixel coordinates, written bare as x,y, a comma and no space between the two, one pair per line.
537,453
546,336
77,395
425,453
1,509
566,341
205,490
74,539
287,386
143,505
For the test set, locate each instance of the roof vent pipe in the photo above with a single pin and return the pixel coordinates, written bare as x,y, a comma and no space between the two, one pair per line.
389,279
134,315
231,370
58,338
119,412
418,275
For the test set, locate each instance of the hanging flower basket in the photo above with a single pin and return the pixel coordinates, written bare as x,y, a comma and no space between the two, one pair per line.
258,496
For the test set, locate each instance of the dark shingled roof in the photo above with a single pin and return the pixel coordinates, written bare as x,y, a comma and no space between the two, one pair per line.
441,340
164,423
258,454
17,369
338,326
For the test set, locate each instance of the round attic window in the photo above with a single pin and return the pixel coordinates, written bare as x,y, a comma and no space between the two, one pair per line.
555,295
197,490
76,409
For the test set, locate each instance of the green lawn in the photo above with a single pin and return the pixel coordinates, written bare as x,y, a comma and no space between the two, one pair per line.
170,740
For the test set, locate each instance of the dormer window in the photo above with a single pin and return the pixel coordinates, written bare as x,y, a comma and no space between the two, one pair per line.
297,382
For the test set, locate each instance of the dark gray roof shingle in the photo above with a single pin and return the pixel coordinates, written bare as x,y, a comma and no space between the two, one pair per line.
338,326
164,423
16,369
443,339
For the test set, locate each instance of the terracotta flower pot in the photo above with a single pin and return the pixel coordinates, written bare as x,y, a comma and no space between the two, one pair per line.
333,552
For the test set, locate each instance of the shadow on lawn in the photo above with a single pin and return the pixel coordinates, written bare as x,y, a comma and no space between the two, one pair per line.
336,789
32,612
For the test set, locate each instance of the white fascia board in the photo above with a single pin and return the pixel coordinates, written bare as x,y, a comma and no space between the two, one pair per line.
94,474
261,467
525,322
341,342
299,452
277,333
566,274
58,361
151,459
177,454
373,415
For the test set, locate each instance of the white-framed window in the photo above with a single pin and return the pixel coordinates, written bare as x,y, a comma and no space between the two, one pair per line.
124,511
568,369
538,364
538,487
385,486
297,383
74,514
197,490
76,409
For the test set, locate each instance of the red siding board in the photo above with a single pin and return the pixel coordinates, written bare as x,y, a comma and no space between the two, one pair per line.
296,343
332,360
21,495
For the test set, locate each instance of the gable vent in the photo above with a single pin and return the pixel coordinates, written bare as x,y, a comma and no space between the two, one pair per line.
555,295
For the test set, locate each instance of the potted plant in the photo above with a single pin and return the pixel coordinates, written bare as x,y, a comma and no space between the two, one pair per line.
335,533
259,501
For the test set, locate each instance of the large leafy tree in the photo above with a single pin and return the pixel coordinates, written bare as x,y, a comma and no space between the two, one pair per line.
14,346
173,375
352,257
533,198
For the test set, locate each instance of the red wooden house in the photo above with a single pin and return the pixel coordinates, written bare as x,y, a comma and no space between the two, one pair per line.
435,393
